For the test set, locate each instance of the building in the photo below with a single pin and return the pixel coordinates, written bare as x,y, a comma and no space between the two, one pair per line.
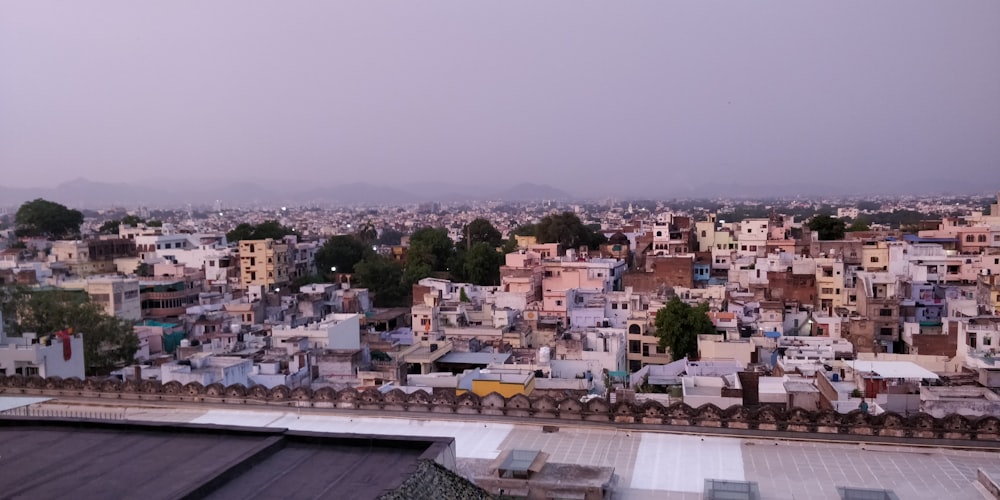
264,263
118,296
56,355
336,332
181,461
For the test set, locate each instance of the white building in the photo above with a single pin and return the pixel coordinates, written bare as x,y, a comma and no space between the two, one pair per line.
44,356
206,369
336,331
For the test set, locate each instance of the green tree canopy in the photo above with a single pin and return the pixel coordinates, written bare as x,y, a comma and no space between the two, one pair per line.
268,229
567,230
526,230
828,227
389,236
480,231
678,326
367,233
47,219
108,342
431,247
383,277
343,252
482,265
859,224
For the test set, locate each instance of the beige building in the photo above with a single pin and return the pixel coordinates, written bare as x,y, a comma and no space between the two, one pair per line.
118,296
264,263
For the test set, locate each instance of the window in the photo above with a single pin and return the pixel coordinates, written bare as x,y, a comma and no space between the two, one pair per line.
885,332
874,259
645,350
987,341
624,305
753,248
885,312
749,230
743,248
703,234
659,233
826,291
558,303
614,305
972,340
634,346
981,238
969,238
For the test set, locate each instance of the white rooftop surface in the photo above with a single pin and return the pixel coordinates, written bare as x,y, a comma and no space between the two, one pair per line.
11,402
676,462
472,439
893,369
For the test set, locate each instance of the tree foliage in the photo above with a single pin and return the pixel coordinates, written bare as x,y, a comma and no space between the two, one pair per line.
383,277
526,230
567,230
367,233
678,326
389,236
828,227
47,219
482,265
859,224
430,247
111,226
343,252
480,231
108,342
269,229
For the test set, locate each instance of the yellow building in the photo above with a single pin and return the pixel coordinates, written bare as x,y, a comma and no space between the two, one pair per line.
264,263
506,384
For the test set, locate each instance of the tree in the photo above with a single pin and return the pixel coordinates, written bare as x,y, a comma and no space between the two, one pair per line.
389,236
859,225
482,265
431,247
526,230
828,227
47,219
367,233
382,277
567,230
269,229
480,231
342,252
678,326
108,342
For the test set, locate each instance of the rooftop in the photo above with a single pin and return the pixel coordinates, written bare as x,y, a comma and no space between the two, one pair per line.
153,461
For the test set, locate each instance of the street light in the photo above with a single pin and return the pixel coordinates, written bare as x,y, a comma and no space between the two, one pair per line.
333,269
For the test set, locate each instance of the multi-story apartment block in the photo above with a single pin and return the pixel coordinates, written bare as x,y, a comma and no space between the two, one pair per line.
264,263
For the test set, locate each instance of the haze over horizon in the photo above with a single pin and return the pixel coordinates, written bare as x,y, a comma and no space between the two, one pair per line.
579,96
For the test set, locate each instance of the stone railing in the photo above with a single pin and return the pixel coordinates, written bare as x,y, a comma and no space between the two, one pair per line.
768,419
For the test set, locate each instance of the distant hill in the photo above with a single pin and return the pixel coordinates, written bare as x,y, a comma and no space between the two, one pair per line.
83,193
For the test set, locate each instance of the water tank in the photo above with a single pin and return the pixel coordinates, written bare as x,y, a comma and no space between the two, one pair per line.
544,354
185,343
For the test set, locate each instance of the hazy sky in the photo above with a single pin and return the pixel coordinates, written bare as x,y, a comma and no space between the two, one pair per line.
644,92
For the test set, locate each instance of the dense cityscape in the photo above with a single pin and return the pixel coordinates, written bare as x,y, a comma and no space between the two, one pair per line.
849,310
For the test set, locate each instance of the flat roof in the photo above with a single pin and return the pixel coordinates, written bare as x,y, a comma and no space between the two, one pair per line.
892,369
155,461
475,358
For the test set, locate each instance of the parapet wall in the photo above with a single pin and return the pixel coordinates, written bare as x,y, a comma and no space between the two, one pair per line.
855,423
